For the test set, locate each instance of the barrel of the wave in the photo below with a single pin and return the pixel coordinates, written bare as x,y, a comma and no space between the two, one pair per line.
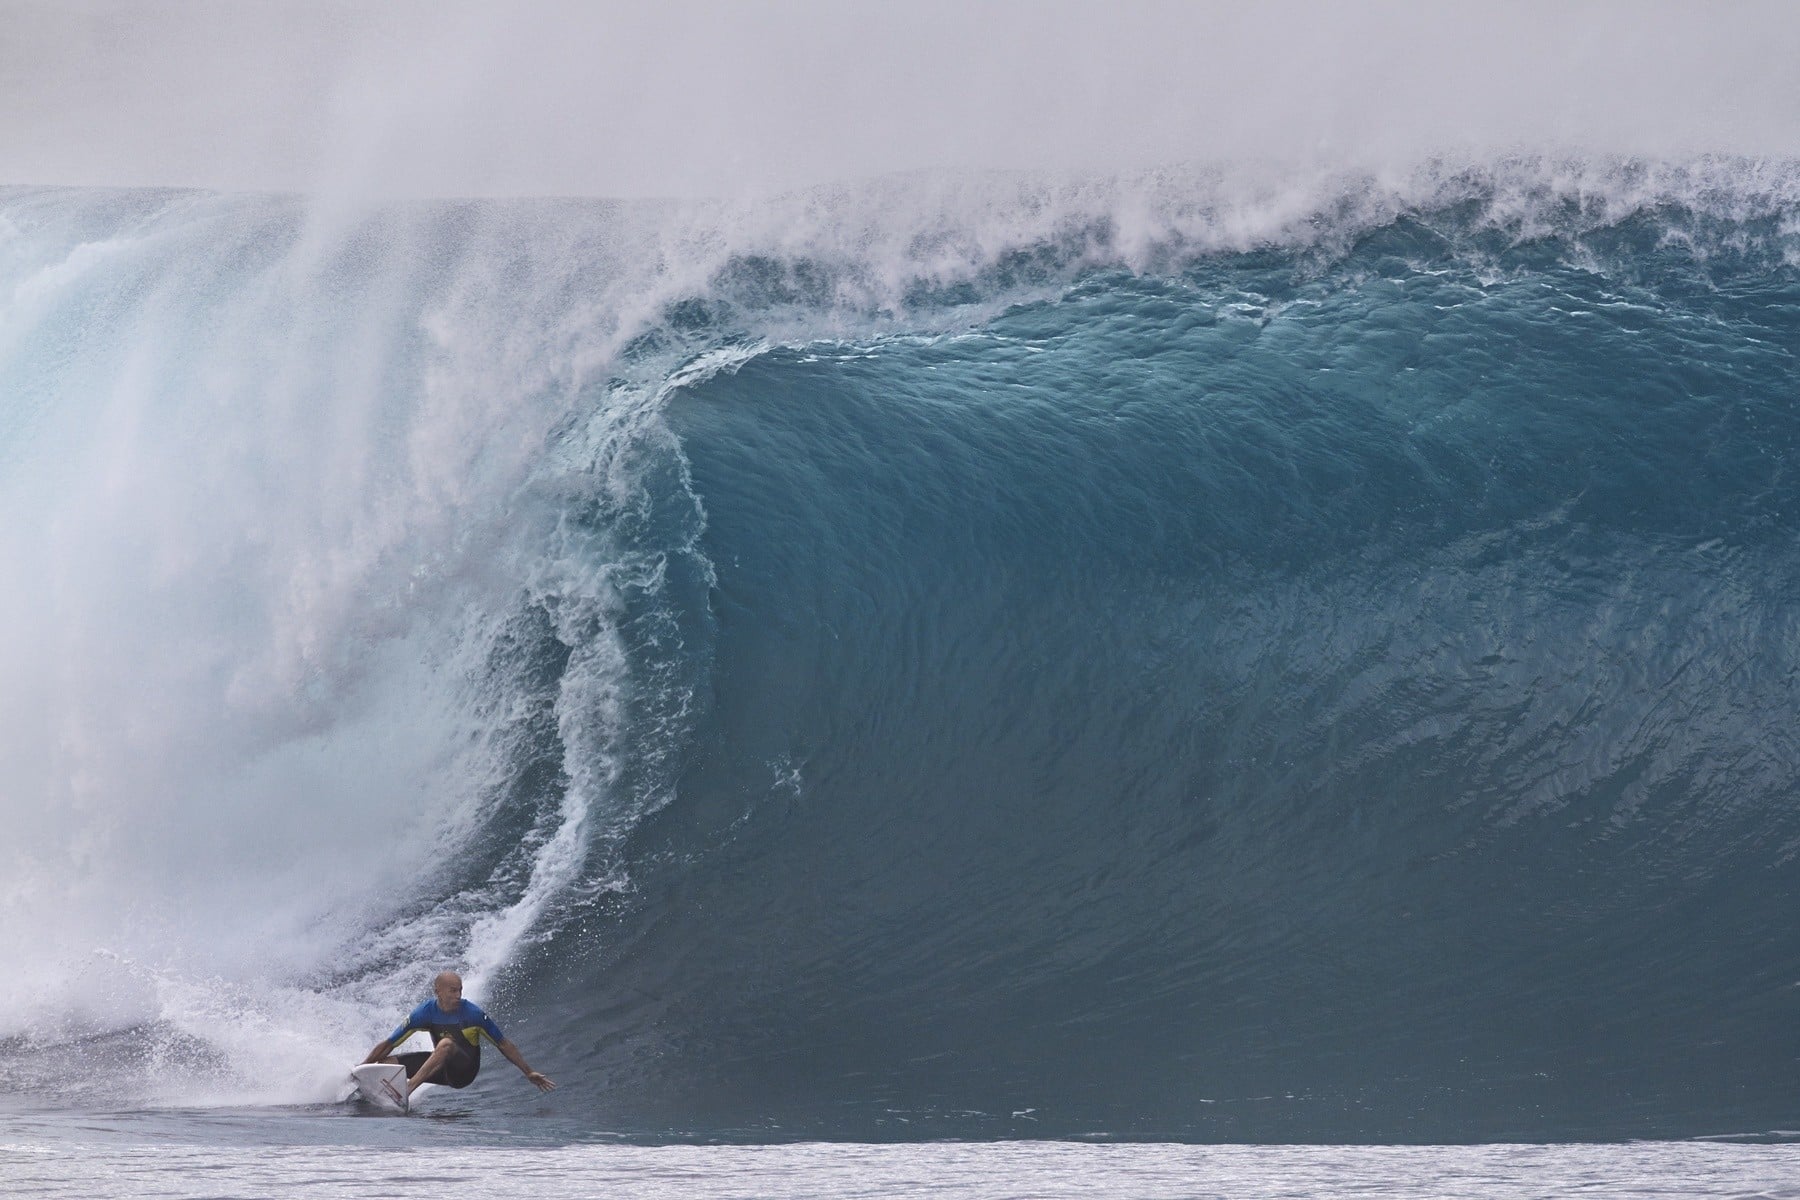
1350,680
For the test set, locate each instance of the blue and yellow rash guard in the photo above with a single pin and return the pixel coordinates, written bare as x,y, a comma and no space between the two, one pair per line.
466,1023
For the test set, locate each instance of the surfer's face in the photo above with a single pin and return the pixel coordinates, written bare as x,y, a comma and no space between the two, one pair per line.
449,993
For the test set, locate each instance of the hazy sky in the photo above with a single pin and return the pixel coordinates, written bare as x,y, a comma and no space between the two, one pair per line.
690,97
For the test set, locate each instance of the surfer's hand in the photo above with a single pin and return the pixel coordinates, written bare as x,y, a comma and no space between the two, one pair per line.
543,1081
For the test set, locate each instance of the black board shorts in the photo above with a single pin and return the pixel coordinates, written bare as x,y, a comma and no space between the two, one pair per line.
459,1069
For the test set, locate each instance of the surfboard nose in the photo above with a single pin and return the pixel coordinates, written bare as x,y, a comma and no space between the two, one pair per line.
381,1084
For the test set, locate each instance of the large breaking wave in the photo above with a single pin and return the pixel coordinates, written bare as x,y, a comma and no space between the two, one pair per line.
1199,654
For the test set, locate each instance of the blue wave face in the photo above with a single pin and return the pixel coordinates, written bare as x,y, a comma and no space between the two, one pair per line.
1262,701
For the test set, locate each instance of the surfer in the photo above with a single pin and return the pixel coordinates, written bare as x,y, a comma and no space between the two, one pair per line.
456,1027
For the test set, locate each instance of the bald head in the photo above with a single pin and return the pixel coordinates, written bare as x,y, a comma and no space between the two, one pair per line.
448,989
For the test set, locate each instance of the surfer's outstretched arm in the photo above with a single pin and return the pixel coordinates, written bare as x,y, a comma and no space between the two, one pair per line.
543,1082
380,1052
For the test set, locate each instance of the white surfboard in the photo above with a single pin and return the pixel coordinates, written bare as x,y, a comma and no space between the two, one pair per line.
381,1084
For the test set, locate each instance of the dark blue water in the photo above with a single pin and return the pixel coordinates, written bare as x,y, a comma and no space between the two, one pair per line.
1268,700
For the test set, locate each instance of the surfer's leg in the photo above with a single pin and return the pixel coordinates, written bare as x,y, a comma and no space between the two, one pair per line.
432,1065
412,1060
460,1069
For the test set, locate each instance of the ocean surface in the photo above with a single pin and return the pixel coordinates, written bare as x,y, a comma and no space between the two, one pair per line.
962,1170
899,682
